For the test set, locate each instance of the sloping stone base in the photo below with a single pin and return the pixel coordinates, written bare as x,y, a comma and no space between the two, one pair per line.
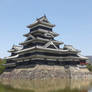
45,72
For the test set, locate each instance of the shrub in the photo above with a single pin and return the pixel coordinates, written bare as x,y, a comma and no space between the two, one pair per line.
89,66
2,67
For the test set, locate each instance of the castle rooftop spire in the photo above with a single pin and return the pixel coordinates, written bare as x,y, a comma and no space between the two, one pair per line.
42,20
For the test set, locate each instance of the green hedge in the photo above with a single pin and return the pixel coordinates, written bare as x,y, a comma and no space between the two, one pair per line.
2,61
89,66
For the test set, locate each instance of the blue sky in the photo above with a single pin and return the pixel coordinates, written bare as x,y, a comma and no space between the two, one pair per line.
73,20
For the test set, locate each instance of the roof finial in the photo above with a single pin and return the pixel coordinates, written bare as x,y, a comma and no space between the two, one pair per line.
45,15
13,45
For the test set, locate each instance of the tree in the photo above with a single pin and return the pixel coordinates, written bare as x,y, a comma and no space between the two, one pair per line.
2,67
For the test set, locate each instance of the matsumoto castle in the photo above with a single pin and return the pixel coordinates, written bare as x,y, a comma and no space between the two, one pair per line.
41,48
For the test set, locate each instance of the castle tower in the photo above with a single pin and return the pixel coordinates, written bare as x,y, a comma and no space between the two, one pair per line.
40,47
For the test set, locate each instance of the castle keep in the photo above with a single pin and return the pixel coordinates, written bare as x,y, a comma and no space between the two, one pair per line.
40,47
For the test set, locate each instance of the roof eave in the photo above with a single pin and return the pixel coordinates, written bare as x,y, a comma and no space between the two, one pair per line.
39,22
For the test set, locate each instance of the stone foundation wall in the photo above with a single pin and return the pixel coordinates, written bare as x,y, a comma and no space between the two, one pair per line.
45,72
